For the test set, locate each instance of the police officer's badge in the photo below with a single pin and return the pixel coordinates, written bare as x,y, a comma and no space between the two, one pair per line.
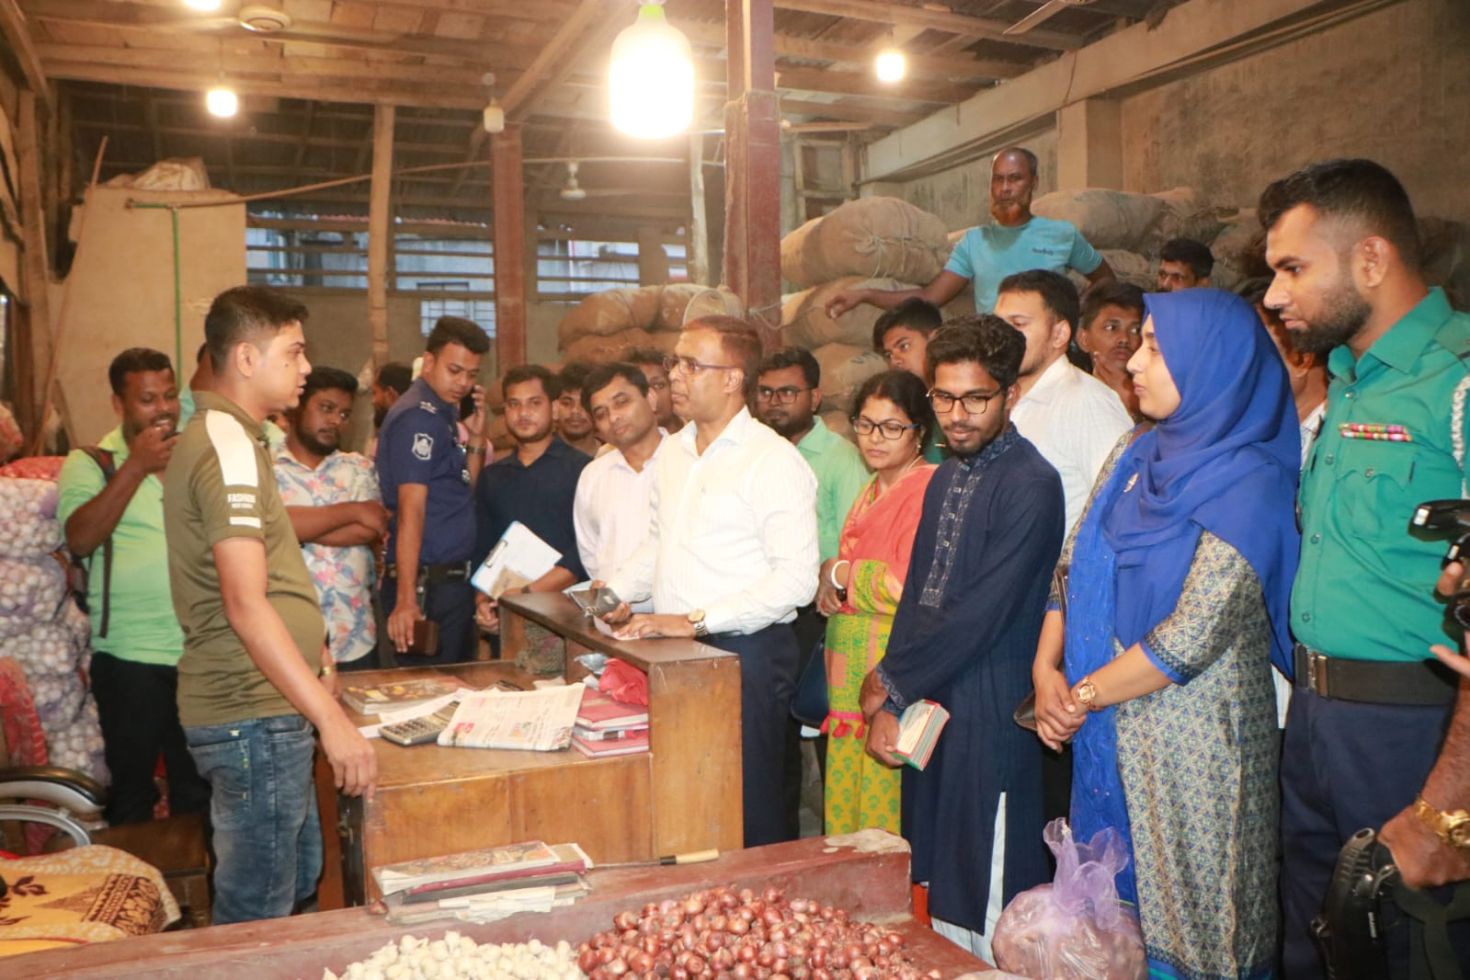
423,445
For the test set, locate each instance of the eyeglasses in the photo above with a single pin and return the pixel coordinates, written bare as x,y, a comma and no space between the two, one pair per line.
975,402
781,396
887,429
691,367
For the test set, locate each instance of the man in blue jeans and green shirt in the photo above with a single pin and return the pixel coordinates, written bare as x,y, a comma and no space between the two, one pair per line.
255,681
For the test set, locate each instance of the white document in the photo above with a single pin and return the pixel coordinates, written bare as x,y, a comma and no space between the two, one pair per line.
519,558
539,720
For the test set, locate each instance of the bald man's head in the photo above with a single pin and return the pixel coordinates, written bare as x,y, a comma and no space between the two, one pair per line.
1012,184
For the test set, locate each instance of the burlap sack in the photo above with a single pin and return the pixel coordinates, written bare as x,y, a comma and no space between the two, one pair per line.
1108,219
600,314
1185,215
593,349
1130,267
844,368
873,237
646,302
805,323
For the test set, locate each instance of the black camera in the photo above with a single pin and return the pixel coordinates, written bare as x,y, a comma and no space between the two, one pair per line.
1350,930
1454,516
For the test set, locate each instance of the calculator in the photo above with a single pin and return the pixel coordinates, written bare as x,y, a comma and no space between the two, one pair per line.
417,731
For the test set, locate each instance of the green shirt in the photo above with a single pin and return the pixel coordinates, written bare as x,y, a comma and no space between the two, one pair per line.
841,476
1365,586
140,621
220,484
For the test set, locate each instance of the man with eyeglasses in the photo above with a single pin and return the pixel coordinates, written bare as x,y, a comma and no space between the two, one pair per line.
732,553
964,636
786,399
1073,419
650,360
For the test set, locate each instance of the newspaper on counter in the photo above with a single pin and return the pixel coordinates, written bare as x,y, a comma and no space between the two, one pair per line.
539,720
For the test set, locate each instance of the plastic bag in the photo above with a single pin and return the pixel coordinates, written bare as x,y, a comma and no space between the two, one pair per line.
1075,928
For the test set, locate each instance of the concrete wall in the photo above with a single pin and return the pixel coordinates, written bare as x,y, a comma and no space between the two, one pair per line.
1393,85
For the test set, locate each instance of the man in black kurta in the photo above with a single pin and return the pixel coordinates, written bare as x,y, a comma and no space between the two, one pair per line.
965,636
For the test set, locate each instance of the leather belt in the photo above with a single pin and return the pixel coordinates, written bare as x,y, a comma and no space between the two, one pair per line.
458,571
1425,682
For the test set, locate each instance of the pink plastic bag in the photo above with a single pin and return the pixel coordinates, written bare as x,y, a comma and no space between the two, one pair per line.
1075,928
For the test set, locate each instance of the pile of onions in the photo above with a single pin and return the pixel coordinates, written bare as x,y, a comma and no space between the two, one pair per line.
724,932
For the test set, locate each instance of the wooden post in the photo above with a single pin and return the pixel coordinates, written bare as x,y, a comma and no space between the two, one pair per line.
753,172
380,231
507,188
35,276
697,240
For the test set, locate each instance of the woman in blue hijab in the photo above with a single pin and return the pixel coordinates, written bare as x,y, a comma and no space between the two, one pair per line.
1170,608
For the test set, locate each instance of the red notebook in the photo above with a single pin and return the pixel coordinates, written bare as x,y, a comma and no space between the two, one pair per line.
599,711
613,746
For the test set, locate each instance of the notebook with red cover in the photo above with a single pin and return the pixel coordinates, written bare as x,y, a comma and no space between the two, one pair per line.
613,746
600,711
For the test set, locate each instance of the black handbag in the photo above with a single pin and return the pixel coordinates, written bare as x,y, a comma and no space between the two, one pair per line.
809,705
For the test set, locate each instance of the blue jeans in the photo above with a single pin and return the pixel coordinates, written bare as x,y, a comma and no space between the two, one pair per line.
267,834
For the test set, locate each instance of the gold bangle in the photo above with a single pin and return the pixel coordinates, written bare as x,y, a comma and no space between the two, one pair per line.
328,670
475,451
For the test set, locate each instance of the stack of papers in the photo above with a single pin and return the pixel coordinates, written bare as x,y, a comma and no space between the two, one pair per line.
606,727
484,885
539,720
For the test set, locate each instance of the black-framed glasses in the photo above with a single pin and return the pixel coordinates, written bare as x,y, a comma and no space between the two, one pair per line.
975,402
781,396
692,367
887,429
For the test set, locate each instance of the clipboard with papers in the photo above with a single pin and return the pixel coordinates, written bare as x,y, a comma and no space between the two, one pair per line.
519,558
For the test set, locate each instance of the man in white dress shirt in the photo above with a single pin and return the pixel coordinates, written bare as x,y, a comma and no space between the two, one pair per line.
732,552
614,504
1072,418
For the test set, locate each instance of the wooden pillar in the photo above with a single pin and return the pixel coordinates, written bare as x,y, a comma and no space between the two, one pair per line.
696,241
753,170
35,325
507,188
380,231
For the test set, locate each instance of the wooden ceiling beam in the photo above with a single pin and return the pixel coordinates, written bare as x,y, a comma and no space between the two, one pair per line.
551,56
15,29
849,112
920,65
362,91
303,139
898,14
858,83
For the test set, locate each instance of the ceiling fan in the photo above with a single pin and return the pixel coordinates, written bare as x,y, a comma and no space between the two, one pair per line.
259,19
1041,14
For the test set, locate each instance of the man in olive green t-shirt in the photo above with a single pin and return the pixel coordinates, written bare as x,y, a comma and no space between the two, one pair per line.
116,522
249,688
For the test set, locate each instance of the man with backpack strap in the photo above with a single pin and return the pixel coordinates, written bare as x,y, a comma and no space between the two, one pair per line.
111,505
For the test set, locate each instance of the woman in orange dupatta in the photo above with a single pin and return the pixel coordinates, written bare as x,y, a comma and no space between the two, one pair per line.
860,589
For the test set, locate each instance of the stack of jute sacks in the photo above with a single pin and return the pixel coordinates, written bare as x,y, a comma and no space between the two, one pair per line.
605,326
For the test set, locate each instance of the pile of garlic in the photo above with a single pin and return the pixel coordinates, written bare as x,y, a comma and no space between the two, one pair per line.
412,958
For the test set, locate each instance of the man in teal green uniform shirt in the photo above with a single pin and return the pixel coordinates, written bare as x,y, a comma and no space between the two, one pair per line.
115,522
1375,737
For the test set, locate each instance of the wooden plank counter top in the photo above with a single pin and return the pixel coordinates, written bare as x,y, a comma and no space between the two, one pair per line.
869,879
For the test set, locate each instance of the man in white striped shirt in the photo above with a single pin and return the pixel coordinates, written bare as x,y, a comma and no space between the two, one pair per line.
732,553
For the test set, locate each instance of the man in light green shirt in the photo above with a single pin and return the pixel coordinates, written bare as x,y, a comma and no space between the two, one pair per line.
115,521
786,398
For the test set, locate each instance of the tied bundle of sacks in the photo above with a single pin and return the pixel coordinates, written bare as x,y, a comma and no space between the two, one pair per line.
42,628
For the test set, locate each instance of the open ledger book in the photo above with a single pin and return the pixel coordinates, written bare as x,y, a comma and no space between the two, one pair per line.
518,559
539,720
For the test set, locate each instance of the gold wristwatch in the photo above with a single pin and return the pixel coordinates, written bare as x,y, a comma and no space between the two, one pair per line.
1087,692
696,619
1450,826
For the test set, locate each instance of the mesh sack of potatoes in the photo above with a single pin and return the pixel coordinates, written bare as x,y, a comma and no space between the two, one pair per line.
871,237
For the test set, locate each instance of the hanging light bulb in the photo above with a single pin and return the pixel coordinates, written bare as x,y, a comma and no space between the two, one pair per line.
222,101
651,78
891,65
203,6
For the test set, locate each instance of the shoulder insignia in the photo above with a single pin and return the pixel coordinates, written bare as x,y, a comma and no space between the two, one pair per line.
429,407
423,445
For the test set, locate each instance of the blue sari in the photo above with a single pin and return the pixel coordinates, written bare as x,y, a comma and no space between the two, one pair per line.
1226,460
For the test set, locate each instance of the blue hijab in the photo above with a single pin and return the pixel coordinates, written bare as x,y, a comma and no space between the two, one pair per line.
1226,460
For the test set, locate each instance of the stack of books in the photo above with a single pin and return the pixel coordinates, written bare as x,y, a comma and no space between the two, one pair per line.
484,885
375,699
918,732
606,727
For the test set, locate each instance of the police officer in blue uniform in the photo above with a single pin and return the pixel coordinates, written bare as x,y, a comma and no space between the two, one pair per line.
427,478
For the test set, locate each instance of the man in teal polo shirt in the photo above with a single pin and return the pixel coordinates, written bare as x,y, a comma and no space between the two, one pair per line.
1014,241
1378,733
117,521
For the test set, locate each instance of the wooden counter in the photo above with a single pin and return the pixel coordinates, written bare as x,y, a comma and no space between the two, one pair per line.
872,883
683,795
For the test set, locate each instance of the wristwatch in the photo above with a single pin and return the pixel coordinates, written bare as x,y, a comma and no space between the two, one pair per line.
696,619
1087,693
1450,826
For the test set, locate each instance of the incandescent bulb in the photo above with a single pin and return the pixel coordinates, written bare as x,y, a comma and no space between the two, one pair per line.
203,6
651,78
222,101
891,65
